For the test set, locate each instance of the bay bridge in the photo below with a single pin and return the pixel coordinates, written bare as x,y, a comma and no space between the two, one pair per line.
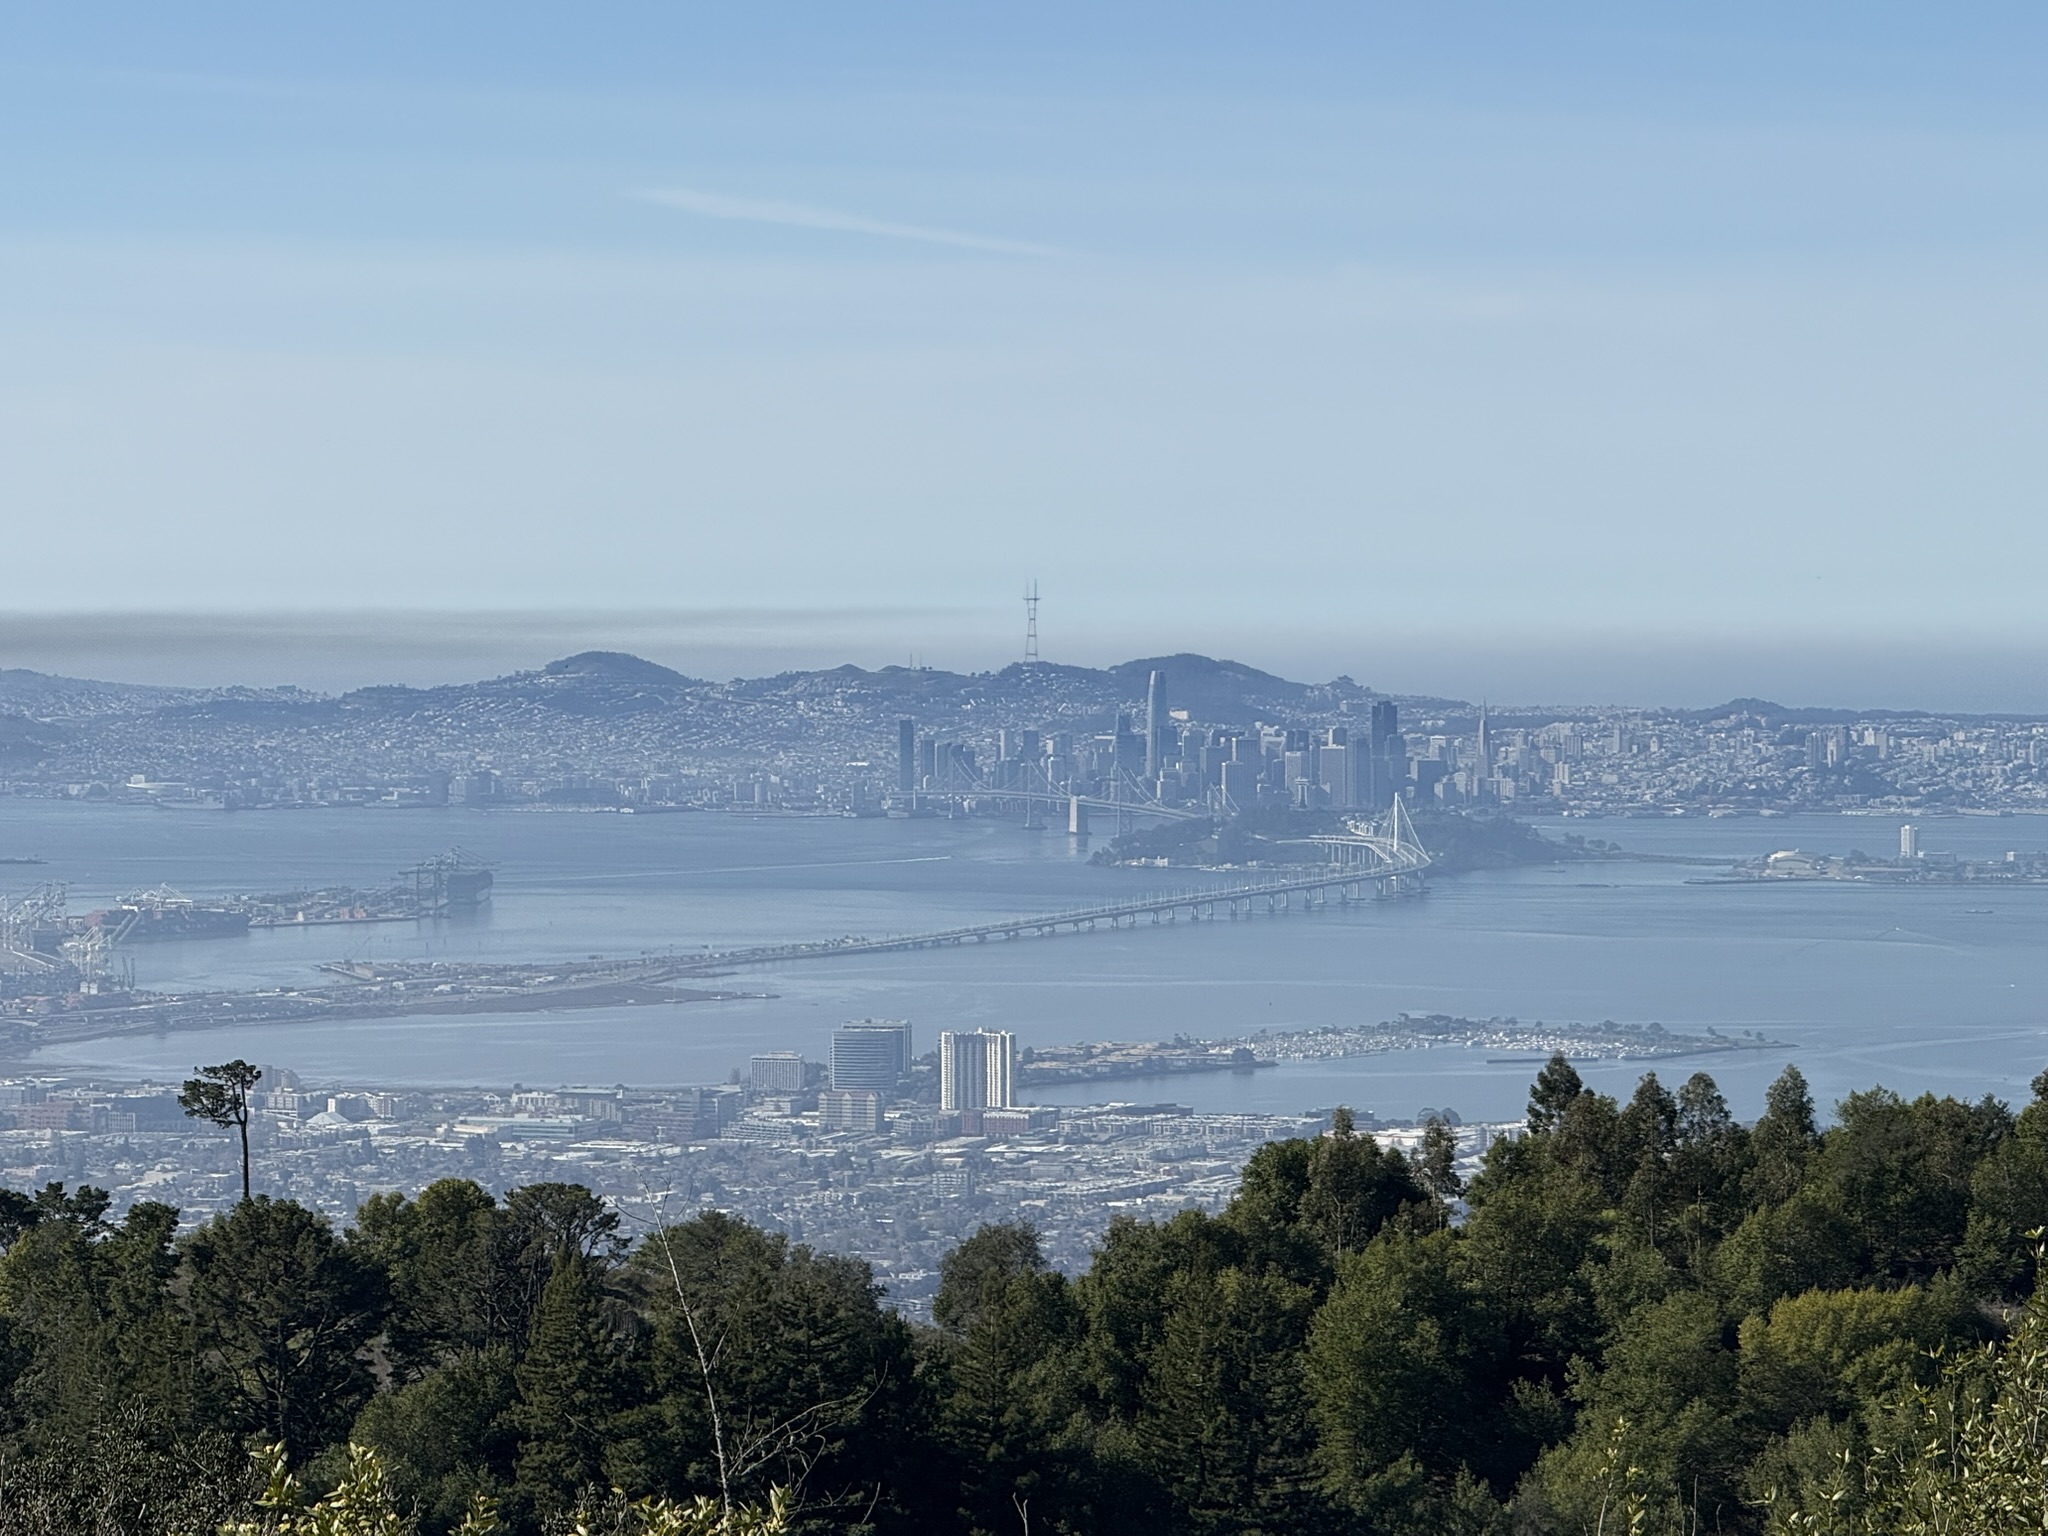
1383,858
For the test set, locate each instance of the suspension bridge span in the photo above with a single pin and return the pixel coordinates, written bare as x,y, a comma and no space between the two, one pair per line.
1380,859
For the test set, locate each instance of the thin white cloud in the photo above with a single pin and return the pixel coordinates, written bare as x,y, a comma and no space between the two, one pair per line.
750,210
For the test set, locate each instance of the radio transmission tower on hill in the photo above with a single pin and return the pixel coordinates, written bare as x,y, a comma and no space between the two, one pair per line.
1031,621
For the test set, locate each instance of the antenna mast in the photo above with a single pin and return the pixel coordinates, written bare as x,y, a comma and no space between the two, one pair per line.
1031,621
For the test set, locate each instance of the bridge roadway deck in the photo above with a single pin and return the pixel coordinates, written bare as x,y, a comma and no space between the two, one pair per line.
1197,902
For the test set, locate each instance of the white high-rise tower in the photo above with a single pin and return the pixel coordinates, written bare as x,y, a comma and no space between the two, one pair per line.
977,1069
1155,727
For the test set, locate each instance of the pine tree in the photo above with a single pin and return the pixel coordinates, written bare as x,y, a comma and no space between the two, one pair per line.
1354,1188
1226,1426
565,1389
1784,1140
1557,1086
282,1317
1436,1165
221,1094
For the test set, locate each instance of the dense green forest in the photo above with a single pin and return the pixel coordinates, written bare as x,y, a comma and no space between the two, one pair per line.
1643,1318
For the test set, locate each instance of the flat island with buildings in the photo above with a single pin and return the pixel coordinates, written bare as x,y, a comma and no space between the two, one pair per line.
1915,865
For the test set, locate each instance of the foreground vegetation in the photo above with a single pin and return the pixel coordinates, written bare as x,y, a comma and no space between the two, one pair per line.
1651,1319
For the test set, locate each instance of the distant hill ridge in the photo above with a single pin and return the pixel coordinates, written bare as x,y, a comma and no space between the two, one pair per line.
618,666
618,682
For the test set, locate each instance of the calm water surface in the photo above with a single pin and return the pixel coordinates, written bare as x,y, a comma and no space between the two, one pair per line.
1915,988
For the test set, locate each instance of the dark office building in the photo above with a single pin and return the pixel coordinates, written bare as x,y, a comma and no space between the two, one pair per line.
872,1054
906,756
704,1112
1389,754
1127,747
1386,724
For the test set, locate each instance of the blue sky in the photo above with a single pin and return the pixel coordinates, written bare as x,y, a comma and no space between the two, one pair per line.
1603,353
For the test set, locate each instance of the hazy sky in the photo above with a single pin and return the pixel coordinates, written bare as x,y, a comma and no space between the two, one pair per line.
1559,352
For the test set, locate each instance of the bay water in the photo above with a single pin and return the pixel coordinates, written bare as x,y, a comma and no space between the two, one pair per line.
1941,988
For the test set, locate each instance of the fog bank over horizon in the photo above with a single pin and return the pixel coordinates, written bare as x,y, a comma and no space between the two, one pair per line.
335,651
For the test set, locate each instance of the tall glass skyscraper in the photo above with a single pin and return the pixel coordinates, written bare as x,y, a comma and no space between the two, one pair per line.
1155,724
906,756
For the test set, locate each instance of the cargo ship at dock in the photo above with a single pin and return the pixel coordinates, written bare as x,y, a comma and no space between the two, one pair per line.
449,884
165,916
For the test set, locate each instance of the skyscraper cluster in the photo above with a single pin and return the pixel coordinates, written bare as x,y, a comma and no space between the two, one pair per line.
1231,768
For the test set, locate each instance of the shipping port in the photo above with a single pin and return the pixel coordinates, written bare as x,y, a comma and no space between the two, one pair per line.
449,884
46,951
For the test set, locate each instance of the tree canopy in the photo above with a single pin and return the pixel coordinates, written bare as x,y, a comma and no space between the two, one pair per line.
1636,1316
